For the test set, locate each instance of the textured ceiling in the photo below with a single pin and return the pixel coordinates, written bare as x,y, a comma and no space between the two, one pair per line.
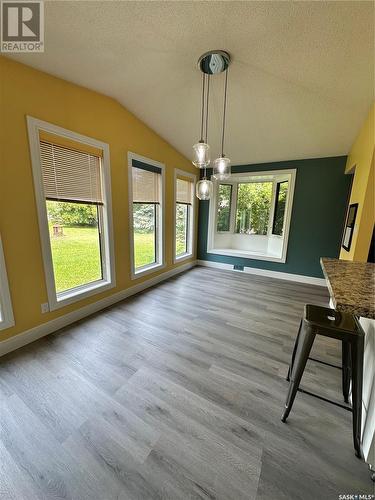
301,81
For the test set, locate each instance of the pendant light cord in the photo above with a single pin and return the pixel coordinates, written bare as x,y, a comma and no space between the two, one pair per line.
224,112
207,107
202,111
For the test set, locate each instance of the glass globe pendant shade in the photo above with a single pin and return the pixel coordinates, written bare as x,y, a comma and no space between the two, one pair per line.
201,158
204,189
221,170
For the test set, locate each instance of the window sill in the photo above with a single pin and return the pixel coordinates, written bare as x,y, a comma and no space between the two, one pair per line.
182,257
69,297
143,271
231,252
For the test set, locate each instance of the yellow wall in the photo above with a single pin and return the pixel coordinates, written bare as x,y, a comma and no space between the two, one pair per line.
25,91
361,162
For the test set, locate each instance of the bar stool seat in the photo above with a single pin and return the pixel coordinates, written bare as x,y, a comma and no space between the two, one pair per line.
345,327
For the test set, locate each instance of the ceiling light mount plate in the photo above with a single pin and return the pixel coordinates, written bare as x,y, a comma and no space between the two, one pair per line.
214,62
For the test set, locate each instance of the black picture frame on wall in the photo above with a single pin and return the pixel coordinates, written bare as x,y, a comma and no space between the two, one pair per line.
349,226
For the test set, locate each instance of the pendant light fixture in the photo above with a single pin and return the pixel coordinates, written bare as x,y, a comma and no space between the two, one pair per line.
204,189
222,169
204,186
210,63
201,157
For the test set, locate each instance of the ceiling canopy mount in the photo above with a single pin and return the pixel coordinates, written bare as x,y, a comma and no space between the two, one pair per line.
214,62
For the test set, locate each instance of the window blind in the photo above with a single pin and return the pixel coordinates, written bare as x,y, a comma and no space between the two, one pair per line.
70,175
68,143
145,186
183,191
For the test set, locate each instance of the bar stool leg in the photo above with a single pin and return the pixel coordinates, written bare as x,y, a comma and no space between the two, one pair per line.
345,370
305,342
294,352
357,348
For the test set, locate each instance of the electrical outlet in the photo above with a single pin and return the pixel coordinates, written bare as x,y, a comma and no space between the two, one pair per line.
45,307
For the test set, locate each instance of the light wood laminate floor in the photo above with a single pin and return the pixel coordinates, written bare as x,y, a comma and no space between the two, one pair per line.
177,393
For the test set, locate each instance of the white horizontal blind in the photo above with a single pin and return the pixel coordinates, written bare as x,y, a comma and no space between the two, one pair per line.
183,194
70,175
145,186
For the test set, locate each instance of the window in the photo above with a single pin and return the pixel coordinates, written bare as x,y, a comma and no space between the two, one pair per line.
249,215
144,225
279,212
146,186
71,177
253,207
182,226
6,313
183,240
224,207
72,187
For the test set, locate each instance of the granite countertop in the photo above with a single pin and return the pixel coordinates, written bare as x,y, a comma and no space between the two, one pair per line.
351,285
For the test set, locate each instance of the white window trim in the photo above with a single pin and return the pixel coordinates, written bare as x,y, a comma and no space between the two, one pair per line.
58,300
191,229
160,264
5,300
290,174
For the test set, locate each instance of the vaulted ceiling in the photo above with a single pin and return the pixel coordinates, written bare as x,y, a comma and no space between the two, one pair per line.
301,81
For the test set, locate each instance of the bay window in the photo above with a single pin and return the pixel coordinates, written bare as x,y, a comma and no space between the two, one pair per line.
250,215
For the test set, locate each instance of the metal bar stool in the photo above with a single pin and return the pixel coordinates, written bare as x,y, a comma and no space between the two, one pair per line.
344,327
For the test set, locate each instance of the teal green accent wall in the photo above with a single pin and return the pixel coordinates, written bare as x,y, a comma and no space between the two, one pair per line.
319,208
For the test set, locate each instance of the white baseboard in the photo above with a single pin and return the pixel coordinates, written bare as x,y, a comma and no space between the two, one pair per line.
310,280
39,331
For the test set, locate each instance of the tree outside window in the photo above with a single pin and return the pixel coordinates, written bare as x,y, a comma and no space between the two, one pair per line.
224,207
253,207
278,219
182,228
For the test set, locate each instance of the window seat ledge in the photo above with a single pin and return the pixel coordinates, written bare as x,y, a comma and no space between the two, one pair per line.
247,254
